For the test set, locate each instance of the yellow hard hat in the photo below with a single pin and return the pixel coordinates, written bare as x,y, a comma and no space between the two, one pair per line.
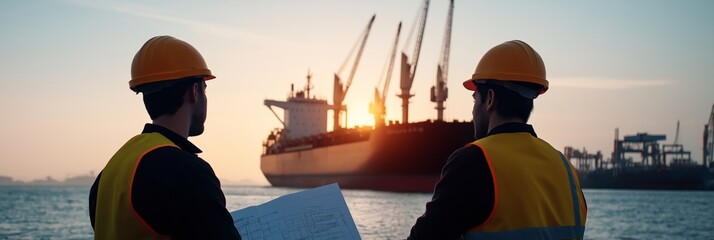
510,61
165,58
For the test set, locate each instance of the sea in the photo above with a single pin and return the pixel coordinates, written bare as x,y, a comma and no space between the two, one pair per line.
60,212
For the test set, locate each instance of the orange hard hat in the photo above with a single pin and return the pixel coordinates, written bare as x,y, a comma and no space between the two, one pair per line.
165,58
513,61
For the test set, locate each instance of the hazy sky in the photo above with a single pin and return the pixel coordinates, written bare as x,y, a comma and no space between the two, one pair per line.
639,65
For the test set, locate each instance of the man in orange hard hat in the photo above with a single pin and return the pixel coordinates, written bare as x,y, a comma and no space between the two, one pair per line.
155,186
508,184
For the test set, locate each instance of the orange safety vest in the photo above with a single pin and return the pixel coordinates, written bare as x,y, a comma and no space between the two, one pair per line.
537,193
115,216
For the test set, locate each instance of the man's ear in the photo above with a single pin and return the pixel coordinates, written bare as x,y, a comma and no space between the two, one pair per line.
490,100
193,93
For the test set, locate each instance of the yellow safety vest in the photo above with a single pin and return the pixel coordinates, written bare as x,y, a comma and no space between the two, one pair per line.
537,193
115,216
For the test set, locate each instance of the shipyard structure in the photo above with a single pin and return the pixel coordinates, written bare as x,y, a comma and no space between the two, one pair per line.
640,161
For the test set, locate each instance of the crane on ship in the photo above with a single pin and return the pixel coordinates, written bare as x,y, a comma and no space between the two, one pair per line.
340,89
378,107
439,92
408,69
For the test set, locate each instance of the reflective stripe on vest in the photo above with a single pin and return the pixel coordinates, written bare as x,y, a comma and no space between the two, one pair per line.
115,216
503,146
574,193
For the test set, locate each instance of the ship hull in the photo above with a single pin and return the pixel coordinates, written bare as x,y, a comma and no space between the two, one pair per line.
677,178
399,158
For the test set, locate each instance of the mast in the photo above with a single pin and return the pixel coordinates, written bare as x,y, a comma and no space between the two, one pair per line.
340,90
309,85
440,92
408,69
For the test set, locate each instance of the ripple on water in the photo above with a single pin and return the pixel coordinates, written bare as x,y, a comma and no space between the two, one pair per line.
31,212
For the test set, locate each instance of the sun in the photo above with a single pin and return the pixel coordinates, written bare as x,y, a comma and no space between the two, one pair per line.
359,119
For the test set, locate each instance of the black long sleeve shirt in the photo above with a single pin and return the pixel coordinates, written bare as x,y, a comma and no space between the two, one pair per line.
464,196
177,193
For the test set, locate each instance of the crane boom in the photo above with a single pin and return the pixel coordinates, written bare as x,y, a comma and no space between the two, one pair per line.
391,62
408,69
378,107
676,135
359,55
440,92
340,90
447,43
420,37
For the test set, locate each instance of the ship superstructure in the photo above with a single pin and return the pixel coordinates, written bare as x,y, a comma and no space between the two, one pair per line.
304,115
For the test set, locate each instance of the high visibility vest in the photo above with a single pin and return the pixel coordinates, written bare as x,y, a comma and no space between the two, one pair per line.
537,192
115,216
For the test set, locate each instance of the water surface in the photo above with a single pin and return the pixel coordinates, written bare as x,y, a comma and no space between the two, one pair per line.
33,212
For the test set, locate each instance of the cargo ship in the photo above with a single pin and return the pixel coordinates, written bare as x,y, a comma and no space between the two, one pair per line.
398,156
641,162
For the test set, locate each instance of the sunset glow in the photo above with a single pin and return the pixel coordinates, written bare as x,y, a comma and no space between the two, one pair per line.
638,65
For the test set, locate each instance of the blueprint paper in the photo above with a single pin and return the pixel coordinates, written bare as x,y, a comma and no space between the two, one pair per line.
315,214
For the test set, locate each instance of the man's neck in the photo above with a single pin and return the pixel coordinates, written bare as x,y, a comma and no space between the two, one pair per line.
175,126
498,121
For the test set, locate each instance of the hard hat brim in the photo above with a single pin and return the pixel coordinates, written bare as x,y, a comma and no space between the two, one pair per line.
470,85
157,86
170,76
510,85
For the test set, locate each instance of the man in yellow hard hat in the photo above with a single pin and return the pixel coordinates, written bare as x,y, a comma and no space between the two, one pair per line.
155,186
508,184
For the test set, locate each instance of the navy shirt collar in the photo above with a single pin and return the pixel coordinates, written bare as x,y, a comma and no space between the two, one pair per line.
180,142
513,127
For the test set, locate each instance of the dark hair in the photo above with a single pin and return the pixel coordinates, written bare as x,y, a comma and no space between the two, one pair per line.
509,103
166,97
